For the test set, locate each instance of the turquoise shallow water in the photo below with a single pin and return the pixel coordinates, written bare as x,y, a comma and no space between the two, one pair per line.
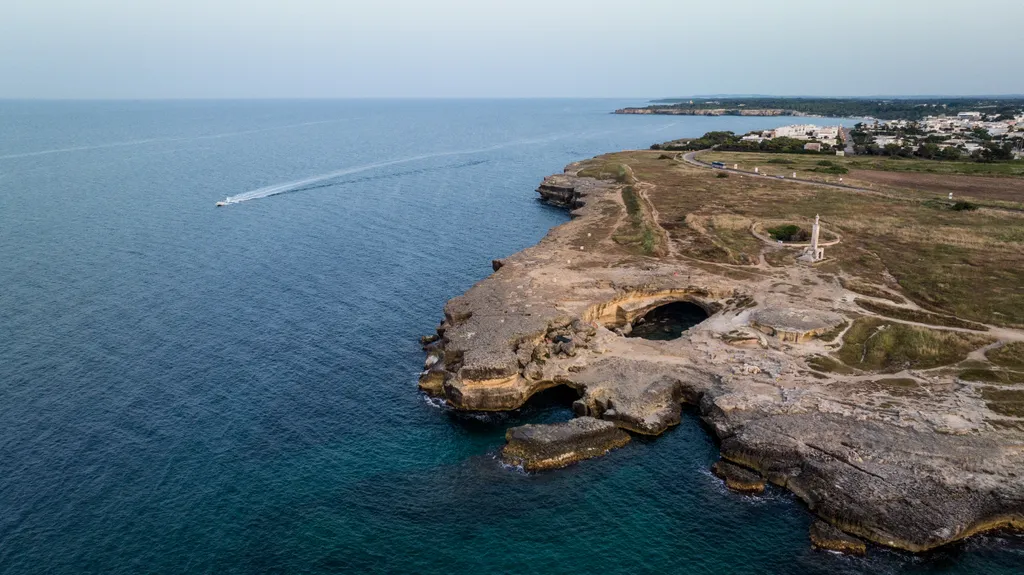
191,389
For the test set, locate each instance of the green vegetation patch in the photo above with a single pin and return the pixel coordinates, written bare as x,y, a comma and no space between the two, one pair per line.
640,231
992,376
964,206
830,169
869,290
917,315
1008,402
877,345
826,364
605,170
1010,355
833,333
789,233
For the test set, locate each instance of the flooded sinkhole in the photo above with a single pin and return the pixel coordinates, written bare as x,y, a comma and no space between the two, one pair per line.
668,321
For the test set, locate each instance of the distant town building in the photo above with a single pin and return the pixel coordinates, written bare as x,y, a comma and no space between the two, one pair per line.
830,135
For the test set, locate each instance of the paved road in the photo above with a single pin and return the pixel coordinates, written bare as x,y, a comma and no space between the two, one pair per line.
691,158
849,141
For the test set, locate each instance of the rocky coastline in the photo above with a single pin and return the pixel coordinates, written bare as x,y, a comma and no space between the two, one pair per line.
913,472
677,111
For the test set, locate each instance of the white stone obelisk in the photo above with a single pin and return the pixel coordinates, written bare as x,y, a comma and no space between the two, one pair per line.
816,253
814,237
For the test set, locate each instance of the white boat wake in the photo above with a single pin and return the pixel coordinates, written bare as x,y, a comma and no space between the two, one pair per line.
165,140
285,187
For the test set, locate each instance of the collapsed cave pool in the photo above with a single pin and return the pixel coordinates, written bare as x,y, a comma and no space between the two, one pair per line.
668,321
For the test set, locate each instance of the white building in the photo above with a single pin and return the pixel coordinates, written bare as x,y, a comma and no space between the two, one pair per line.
882,141
824,134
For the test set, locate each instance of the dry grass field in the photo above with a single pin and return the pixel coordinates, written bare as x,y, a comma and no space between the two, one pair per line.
994,182
967,264
973,187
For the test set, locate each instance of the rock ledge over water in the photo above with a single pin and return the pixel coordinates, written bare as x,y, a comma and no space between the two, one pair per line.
539,447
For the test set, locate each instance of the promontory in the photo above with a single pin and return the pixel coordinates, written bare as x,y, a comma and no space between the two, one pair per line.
861,347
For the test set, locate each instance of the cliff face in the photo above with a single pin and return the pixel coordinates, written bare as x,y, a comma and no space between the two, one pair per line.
915,471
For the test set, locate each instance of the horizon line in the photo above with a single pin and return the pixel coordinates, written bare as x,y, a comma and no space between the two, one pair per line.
336,98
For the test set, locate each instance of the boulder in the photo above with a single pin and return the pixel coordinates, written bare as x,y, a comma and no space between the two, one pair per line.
540,447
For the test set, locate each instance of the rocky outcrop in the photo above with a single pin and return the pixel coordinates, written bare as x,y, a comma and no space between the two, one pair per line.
908,469
738,478
825,536
794,324
560,190
540,447
896,486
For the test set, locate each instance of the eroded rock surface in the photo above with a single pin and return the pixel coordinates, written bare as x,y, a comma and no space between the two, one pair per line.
825,536
539,447
738,478
912,466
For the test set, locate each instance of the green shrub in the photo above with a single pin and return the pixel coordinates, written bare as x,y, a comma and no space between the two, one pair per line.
789,233
648,243
963,206
721,175
1010,355
833,169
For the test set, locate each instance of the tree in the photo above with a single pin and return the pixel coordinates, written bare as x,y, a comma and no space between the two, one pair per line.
981,134
950,153
998,153
928,150
892,150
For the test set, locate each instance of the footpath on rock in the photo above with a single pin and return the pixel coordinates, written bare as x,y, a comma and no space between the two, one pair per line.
882,384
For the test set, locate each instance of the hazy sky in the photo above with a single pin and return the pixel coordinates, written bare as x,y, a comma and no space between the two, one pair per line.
634,48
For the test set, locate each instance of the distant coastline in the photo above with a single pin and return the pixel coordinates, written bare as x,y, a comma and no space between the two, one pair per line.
882,109
679,111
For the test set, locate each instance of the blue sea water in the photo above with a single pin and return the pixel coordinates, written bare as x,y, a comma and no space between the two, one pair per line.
186,389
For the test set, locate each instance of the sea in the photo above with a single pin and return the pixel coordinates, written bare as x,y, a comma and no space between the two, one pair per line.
187,388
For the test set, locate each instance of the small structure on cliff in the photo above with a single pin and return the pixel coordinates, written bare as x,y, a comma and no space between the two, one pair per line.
814,253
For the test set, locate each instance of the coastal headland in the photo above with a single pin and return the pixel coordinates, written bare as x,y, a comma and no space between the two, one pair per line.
882,383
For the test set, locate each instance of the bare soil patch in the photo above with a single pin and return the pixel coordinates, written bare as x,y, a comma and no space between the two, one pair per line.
979,187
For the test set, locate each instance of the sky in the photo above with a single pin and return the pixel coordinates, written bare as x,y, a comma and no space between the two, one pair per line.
507,48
